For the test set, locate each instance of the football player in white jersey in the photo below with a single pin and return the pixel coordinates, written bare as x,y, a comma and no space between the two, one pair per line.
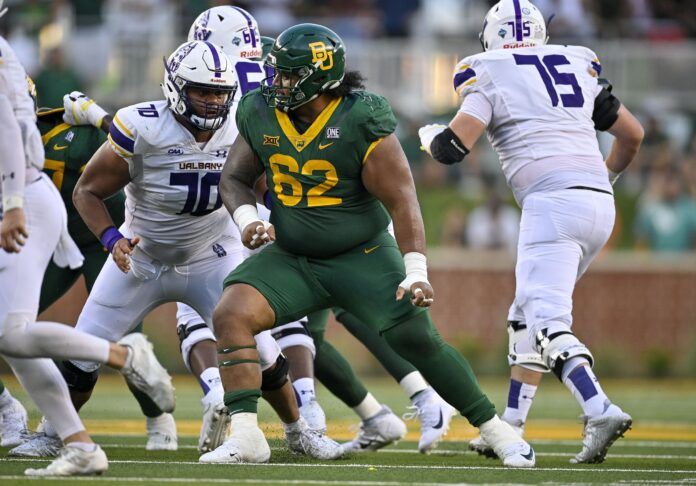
33,230
541,105
175,244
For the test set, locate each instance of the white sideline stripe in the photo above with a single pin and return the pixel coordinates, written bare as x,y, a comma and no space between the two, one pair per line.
450,452
380,466
224,481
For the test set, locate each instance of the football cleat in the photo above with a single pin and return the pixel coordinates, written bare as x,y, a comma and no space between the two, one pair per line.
215,426
314,415
304,440
245,445
144,371
13,423
38,445
507,444
480,446
600,433
74,462
376,432
434,414
161,433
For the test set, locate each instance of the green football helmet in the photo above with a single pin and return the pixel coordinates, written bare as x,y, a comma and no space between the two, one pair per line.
266,45
313,55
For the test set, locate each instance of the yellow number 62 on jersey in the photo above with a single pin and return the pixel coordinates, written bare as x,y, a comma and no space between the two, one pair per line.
315,195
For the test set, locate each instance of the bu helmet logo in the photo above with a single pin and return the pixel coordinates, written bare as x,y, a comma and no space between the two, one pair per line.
321,55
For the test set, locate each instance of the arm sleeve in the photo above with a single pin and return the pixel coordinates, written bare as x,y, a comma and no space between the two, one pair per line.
477,105
12,157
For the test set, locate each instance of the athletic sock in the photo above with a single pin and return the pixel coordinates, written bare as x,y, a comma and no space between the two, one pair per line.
520,398
244,420
304,390
211,384
368,408
412,384
583,383
84,446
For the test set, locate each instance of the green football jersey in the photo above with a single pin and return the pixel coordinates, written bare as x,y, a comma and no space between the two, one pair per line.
320,205
68,149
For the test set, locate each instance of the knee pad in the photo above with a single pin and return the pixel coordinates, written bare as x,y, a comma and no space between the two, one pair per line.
559,347
76,378
520,350
268,350
294,334
274,378
12,331
190,334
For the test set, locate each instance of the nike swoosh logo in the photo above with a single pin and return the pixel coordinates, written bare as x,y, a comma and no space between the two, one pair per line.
439,423
530,455
322,146
59,147
370,250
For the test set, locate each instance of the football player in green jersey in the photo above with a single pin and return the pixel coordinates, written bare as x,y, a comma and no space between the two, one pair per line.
337,173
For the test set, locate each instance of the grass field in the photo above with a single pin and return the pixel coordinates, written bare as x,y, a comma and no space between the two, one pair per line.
661,448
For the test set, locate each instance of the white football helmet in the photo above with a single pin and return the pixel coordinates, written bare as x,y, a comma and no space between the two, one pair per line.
199,64
513,23
231,28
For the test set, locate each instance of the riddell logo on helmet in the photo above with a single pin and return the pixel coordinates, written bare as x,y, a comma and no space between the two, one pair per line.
217,80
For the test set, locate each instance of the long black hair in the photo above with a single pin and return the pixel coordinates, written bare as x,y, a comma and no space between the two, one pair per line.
352,81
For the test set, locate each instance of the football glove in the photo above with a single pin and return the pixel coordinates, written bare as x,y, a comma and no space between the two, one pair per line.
428,133
82,110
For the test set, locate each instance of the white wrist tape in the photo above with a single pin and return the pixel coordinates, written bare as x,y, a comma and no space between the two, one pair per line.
244,215
416,267
613,176
11,202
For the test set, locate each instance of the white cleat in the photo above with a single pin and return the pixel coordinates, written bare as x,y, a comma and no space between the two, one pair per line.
144,371
376,432
161,433
314,416
215,426
245,445
13,423
435,416
74,462
600,433
38,445
507,444
303,440
480,446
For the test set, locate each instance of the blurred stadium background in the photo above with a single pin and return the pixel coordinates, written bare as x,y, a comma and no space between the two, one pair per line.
637,305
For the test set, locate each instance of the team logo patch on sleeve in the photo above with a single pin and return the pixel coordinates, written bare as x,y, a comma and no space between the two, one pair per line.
271,140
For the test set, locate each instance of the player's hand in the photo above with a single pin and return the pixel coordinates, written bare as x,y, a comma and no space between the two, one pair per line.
13,230
122,250
422,293
80,109
257,234
428,133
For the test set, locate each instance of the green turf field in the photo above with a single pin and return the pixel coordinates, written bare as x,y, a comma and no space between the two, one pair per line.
661,448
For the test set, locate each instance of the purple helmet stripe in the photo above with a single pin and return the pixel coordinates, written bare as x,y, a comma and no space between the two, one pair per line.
518,19
216,59
249,23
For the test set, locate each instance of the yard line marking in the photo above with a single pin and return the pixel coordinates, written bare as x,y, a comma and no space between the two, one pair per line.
383,466
227,481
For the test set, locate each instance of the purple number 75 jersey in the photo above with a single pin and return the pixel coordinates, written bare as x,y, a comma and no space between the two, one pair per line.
172,201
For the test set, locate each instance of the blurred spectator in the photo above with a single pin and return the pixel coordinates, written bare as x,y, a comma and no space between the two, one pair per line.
396,16
88,44
454,227
655,154
55,79
572,19
493,226
666,219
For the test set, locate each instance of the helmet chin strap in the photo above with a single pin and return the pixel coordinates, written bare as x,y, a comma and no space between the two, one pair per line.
206,123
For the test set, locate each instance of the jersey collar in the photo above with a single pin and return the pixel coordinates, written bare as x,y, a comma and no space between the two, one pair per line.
301,141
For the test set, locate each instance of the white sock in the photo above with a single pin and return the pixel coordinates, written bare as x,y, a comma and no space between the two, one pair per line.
520,398
84,446
153,422
583,383
413,383
211,383
49,430
304,390
368,408
244,420
296,426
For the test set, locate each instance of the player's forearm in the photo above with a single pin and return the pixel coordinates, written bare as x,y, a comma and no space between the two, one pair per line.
92,210
629,135
236,193
621,155
408,226
12,157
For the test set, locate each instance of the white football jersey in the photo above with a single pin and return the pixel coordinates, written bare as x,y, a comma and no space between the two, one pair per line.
540,116
250,74
172,201
15,84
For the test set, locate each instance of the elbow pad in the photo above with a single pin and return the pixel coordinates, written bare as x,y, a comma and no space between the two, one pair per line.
606,110
446,148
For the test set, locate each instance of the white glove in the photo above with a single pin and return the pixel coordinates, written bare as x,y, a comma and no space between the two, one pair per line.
428,133
82,110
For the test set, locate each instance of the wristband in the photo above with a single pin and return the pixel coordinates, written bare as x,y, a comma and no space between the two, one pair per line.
109,237
244,215
416,266
267,200
12,202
